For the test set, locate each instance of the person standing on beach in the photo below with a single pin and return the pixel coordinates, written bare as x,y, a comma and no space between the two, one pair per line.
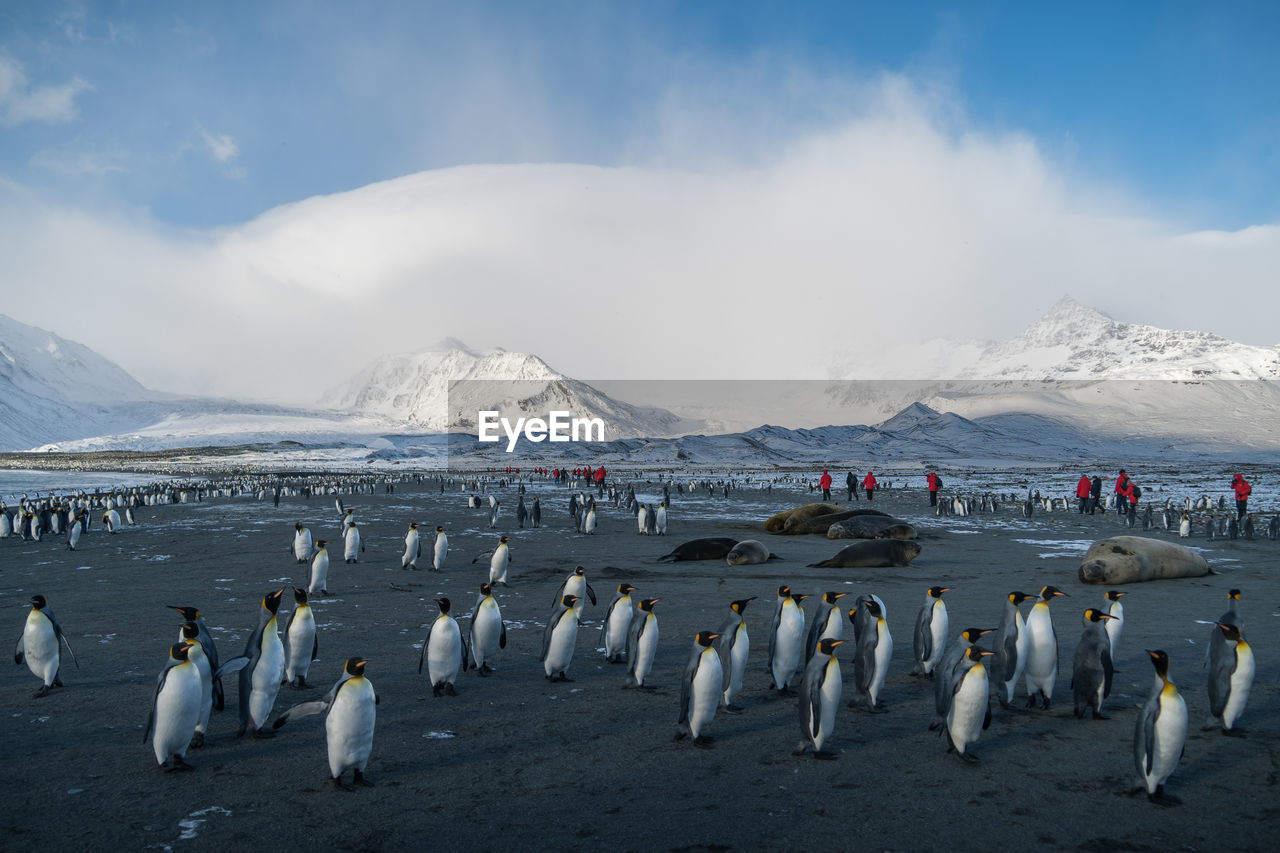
1241,487
824,483
1131,495
1083,490
850,485
869,483
935,483
1122,502
1095,494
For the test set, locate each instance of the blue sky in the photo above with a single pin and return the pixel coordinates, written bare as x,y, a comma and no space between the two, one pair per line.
179,169
209,114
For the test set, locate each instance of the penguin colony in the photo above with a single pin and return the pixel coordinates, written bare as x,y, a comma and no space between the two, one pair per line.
804,662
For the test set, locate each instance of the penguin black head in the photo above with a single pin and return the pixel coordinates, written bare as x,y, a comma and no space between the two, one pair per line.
1050,592
439,529
298,527
38,602
828,646
833,597
1160,660
1095,615
579,572
976,654
444,604
178,651
354,666
784,591
872,607
625,588
974,634
1231,632
299,595
320,543
485,589
1016,598
1234,595
505,539
937,591
647,604
706,638
271,600
413,525
1113,594
190,630
741,604
569,600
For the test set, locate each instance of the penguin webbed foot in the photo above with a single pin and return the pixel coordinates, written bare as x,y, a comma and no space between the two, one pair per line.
731,709
263,733
1236,732
197,741
703,741
42,692
448,689
342,786
823,755
177,764
1160,798
357,778
968,757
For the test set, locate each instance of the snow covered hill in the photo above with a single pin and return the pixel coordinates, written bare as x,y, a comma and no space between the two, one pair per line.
444,388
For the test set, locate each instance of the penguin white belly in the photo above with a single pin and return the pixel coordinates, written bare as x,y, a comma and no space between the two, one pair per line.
589,526
176,713
662,521
1042,653
737,662
302,546
498,566
441,551
647,649
938,627
884,653
560,649
1170,735
267,676
707,682
302,639
968,708
410,550
351,546
319,573
349,727
486,631
833,628
615,633
832,687
40,645
576,585
1241,684
787,647
445,652
1114,626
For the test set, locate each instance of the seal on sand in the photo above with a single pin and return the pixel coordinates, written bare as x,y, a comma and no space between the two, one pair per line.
872,554
710,548
1129,559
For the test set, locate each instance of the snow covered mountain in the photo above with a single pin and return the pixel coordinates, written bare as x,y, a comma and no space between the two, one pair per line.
444,388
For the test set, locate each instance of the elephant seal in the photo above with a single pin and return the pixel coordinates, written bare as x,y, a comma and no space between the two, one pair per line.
820,523
872,554
777,521
711,548
1129,559
749,552
871,527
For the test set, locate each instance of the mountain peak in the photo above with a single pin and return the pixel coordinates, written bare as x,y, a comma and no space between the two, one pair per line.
1066,322
450,344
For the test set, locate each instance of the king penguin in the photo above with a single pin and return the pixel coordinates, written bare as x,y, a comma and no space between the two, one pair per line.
701,688
350,710
192,614
735,647
819,698
1160,733
499,561
488,632
1092,671
786,643
412,548
1115,624
41,644
616,624
949,669
930,639
441,549
195,654
352,547
319,582
1042,650
175,710
577,586
443,651
301,644
642,644
558,639
969,710
261,668
1231,671
872,653
301,543
1010,649
826,624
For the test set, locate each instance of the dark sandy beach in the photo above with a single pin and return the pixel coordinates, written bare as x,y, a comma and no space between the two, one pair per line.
515,762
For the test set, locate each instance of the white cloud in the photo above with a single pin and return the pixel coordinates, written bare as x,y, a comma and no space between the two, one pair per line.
223,149
20,102
877,231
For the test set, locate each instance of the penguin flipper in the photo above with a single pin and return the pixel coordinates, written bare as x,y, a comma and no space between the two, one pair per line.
502,637
923,639
480,557
19,651
591,594
315,646
1108,671
422,656
1219,685
303,709
686,687
232,666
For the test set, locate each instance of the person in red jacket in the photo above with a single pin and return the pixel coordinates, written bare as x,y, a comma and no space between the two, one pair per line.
1082,492
1241,487
824,483
1121,487
869,483
935,483
1131,495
